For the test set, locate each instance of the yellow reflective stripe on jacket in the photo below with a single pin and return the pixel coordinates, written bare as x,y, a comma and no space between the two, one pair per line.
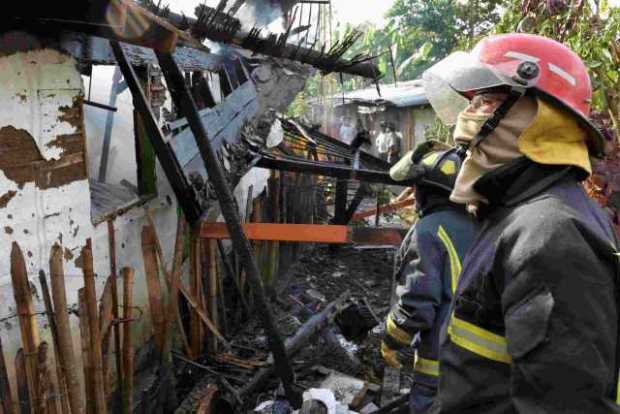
618,390
427,366
478,340
397,333
455,262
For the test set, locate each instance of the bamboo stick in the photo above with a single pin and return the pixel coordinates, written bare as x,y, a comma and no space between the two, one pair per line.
173,300
23,398
87,364
153,287
93,324
49,310
172,276
220,288
6,398
127,390
27,321
105,324
114,287
192,300
212,288
57,278
195,325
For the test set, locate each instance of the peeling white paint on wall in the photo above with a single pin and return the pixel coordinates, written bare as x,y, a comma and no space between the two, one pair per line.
37,88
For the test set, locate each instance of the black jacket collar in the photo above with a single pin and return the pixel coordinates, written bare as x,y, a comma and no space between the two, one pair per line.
520,180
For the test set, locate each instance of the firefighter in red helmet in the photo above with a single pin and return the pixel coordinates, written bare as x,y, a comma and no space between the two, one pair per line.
533,326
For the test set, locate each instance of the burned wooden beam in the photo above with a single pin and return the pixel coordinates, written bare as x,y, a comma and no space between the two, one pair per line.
184,101
340,171
221,27
304,334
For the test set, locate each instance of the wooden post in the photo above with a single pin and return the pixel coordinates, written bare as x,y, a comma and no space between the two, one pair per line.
154,288
49,310
69,367
23,398
6,398
87,363
27,321
127,390
46,393
93,324
114,287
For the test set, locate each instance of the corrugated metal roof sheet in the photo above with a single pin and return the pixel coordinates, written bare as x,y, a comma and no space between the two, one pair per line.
406,94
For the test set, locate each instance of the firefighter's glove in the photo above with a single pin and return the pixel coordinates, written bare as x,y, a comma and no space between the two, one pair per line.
395,344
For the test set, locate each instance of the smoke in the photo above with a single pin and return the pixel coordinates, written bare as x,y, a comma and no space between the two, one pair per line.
262,13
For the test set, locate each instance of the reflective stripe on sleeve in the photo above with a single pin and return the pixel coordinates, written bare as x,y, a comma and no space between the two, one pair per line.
427,366
478,340
618,390
455,262
397,332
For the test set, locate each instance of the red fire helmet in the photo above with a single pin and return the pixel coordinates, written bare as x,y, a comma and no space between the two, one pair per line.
543,66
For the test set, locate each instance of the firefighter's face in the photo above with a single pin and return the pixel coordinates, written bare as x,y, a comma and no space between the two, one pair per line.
485,103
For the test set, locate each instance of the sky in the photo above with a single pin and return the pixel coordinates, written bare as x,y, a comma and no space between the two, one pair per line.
354,12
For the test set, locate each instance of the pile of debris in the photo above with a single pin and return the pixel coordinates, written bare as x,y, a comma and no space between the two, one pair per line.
330,311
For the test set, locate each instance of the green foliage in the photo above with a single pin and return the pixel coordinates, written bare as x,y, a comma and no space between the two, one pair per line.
438,131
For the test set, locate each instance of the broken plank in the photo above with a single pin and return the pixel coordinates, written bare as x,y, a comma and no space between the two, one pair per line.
223,124
27,321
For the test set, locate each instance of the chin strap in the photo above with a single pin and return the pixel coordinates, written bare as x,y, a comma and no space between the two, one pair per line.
499,114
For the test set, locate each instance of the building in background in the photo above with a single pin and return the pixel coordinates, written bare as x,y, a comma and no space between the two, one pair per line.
404,105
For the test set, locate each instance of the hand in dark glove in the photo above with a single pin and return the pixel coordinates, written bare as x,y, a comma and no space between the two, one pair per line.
395,344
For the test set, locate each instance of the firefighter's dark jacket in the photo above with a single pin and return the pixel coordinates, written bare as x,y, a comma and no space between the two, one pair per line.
534,323
427,266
